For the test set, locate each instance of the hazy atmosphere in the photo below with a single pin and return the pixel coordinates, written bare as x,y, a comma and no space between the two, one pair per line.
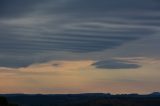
79,46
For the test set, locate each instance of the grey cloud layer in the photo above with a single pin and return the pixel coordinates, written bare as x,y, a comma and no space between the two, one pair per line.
116,64
28,28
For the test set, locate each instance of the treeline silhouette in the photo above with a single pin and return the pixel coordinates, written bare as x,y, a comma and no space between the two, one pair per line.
120,102
84,100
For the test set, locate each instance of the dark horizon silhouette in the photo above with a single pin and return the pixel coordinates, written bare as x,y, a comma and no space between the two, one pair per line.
88,99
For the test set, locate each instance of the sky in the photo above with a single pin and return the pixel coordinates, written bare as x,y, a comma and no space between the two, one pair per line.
79,46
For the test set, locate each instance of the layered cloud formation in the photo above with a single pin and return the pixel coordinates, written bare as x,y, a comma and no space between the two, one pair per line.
31,30
43,36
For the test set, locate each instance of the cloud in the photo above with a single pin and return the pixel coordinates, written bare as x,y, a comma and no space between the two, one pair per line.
53,67
81,76
29,30
17,8
116,64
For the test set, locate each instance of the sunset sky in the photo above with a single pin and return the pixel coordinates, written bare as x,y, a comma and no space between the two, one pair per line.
79,46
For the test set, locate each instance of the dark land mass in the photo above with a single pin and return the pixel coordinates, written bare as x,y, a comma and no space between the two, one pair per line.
90,99
4,102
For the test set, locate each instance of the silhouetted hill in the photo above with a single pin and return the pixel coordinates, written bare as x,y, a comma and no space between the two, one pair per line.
97,99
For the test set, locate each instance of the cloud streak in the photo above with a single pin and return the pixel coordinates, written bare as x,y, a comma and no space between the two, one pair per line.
116,64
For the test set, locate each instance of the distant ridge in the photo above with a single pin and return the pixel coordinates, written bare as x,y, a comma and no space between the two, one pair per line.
109,94
85,99
155,94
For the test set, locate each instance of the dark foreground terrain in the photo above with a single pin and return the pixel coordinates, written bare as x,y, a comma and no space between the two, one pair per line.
4,102
81,100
